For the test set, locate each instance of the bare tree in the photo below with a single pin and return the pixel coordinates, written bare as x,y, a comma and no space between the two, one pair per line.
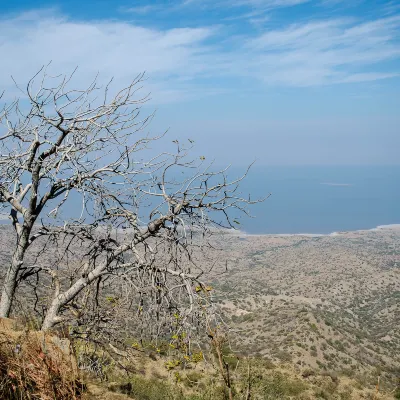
143,219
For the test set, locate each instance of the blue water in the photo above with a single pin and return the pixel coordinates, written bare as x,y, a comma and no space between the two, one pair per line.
301,203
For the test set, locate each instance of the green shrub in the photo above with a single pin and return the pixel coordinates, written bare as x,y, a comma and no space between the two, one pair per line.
278,386
148,389
192,379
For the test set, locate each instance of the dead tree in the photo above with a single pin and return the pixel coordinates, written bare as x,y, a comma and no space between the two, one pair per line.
142,216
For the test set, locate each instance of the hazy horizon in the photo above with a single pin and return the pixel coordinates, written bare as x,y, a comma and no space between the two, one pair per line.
308,199
281,81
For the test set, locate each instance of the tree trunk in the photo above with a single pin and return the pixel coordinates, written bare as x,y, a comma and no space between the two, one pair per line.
8,292
52,317
10,281
60,300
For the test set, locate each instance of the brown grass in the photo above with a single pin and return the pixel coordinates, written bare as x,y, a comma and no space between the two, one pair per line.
32,366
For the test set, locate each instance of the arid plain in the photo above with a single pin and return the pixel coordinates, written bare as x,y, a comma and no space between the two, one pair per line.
328,302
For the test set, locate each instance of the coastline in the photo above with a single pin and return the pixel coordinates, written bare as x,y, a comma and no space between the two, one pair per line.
241,233
389,227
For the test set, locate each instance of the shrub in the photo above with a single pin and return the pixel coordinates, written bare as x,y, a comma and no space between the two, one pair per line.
280,387
192,378
144,389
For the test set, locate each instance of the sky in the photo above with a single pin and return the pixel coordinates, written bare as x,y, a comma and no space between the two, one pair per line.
282,82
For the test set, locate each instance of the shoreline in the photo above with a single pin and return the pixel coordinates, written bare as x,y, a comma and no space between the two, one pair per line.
389,227
240,233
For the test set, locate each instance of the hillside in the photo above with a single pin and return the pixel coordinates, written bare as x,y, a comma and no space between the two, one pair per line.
317,316
325,302
44,367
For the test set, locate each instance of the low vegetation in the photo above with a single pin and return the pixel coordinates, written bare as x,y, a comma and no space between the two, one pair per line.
34,366
141,293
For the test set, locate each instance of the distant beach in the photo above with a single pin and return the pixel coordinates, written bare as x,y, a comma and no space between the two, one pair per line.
240,233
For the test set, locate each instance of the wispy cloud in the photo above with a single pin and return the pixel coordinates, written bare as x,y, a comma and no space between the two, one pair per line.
171,58
146,9
327,51
264,4
186,62
391,7
330,3
250,8
269,3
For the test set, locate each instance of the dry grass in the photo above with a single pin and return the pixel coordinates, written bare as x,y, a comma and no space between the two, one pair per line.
33,366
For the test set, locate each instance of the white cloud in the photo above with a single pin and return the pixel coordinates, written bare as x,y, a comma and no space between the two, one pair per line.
179,62
391,7
270,3
330,3
148,8
328,51
255,11
366,77
114,49
263,4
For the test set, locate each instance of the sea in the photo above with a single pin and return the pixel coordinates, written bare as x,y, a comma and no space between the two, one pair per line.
320,199
312,199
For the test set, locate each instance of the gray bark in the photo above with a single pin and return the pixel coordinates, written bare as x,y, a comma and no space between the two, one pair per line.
10,281
60,300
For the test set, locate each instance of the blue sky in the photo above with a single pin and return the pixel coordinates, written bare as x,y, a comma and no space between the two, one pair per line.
288,82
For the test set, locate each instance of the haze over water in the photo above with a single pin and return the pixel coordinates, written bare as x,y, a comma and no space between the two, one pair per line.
321,199
309,199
